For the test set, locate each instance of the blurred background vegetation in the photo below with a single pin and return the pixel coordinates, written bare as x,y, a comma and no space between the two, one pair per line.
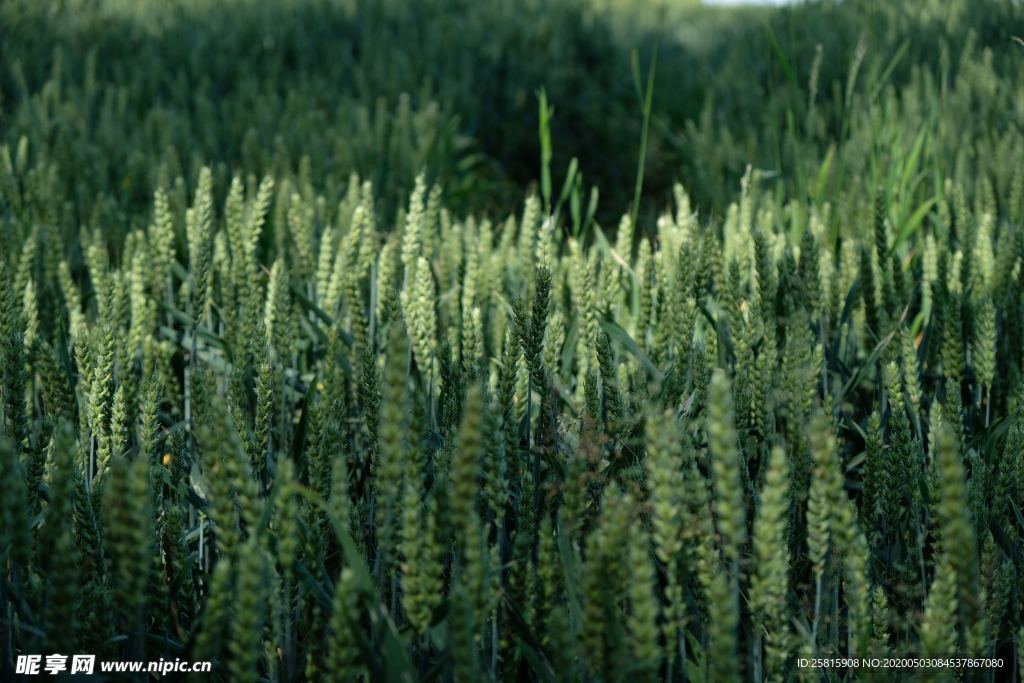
387,88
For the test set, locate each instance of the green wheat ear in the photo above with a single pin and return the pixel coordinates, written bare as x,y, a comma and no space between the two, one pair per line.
826,504
955,525
343,654
769,587
388,469
15,509
423,565
643,606
726,463
461,641
128,538
418,304
212,628
466,460
938,629
723,614
277,318
248,610
665,479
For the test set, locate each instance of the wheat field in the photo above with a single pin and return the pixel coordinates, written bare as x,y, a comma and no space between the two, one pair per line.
310,371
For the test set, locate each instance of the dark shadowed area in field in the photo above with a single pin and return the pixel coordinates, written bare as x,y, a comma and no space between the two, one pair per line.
387,88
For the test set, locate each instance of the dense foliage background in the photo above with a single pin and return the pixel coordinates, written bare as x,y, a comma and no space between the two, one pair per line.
490,340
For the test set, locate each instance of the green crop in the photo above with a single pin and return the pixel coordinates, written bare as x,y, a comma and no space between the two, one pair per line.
315,384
